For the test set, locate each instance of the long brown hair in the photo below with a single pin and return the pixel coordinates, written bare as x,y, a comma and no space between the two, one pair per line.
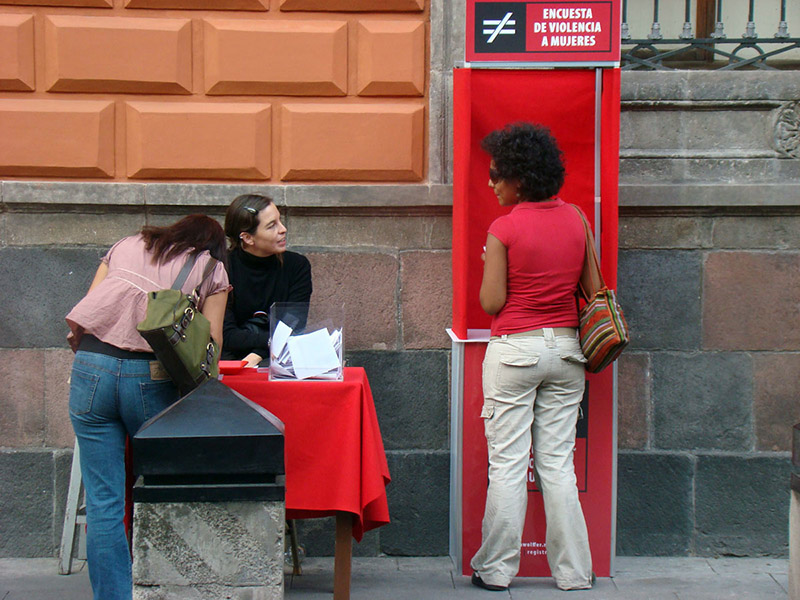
195,232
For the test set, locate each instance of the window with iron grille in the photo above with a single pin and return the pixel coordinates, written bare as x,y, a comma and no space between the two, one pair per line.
710,34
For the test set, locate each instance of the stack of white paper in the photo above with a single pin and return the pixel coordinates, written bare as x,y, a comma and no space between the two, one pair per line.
308,355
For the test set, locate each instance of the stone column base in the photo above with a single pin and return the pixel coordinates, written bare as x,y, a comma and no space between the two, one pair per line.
208,550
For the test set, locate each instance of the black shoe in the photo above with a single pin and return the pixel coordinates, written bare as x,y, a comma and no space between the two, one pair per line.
477,581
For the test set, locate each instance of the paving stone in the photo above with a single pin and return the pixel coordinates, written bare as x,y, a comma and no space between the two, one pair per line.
633,400
22,398
38,579
729,565
627,566
660,293
419,504
544,588
775,403
48,282
410,390
26,503
702,400
741,505
761,587
647,483
750,301
426,298
433,578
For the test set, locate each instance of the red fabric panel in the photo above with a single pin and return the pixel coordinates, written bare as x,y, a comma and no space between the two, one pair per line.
560,100
609,180
565,102
462,79
333,448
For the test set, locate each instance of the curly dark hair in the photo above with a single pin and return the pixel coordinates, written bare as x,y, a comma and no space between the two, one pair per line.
529,154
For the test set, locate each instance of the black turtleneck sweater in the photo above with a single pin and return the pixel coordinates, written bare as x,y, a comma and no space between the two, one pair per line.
257,283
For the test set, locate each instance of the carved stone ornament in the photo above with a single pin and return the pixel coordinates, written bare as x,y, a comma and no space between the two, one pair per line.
787,130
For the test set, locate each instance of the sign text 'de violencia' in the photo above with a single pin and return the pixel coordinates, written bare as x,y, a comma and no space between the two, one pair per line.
576,28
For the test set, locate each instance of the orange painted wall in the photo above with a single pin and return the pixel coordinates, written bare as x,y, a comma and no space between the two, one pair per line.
214,90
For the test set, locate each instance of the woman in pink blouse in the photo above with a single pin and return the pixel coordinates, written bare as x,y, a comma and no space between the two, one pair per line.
117,383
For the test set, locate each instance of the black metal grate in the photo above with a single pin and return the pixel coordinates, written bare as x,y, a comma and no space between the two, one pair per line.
707,49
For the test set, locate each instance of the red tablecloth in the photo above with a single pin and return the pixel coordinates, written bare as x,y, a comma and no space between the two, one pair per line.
333,447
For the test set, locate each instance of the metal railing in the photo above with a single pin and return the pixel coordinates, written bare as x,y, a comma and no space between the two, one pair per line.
705,49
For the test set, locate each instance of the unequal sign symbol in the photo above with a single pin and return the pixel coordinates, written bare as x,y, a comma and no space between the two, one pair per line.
501,27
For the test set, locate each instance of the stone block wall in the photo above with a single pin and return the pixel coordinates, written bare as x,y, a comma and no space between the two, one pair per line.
388,267
709,248
708,276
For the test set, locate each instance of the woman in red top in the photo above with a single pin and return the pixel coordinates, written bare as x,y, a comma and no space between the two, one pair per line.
533,372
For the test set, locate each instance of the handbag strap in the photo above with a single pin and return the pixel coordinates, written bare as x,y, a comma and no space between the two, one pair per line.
187,268
184,273
591,277
212,262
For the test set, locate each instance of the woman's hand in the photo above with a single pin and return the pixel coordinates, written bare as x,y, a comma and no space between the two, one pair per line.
252,359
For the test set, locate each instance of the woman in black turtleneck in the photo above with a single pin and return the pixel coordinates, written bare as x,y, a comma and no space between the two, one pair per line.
261,271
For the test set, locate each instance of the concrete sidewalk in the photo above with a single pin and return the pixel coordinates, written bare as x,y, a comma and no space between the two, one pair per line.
637,578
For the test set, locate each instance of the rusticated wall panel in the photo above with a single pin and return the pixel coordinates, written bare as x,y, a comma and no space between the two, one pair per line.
174,140
391,58
236,60
78,3
351,141
57,139
114,54
353,5
200,4
16,53
272,91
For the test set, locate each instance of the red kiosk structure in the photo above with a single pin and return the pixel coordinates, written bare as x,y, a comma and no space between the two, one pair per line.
555,63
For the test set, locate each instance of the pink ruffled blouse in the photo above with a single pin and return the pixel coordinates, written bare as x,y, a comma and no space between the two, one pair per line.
111,311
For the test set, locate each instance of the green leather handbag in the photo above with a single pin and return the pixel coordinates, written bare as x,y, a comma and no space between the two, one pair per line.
179,334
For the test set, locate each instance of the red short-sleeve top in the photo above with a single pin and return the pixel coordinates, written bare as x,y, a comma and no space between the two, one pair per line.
546,242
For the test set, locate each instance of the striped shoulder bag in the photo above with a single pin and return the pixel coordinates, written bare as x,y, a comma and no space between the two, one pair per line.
603,330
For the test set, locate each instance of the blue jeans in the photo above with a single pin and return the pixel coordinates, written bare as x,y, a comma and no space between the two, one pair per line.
109,399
